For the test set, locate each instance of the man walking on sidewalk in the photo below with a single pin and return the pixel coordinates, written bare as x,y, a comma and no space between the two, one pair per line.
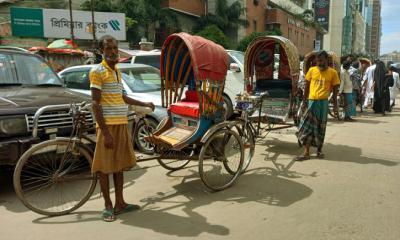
346,90
320,81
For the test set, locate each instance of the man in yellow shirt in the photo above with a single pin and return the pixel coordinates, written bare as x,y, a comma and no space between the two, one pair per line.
114,150
320,82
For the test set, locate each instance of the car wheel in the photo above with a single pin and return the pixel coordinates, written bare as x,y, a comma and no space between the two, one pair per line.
228,107
141,132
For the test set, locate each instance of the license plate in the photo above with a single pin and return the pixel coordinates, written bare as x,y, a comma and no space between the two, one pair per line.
51,130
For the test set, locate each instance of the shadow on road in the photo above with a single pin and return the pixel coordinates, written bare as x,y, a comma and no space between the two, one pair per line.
9,200
159,212
262,186
333,152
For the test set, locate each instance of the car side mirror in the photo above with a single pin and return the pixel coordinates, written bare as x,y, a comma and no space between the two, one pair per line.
234,67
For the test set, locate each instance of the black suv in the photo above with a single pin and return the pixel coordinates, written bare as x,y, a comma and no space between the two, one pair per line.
27,84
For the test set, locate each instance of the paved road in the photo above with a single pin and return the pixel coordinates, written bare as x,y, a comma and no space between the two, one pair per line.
353,194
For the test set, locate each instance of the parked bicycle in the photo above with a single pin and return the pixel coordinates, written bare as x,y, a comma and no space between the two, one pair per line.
54,177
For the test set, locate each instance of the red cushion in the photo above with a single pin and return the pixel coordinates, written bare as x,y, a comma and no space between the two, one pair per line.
188,109
191,96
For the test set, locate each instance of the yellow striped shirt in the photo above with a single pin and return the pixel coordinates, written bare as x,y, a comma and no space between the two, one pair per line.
108,81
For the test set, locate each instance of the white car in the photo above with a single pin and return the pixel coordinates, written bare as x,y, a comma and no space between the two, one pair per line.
141,82
234,80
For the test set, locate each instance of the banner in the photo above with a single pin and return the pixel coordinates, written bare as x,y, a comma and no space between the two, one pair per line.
321,8
56,23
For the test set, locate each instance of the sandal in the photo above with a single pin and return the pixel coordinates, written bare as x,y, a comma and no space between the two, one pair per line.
320,155
108,215
127,208
302,158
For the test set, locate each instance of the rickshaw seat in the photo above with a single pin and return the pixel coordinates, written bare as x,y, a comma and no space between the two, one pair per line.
188,107
277,88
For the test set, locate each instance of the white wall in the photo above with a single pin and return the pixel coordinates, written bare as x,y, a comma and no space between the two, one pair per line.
333,39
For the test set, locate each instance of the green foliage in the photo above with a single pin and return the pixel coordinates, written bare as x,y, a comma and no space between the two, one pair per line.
216,35
227,17
56,4
100,6
244,43
143,16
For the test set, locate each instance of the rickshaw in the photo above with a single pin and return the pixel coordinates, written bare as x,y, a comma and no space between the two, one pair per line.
54,177
333,62
271,77
193,72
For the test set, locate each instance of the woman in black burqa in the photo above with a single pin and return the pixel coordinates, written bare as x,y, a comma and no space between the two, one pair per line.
381,89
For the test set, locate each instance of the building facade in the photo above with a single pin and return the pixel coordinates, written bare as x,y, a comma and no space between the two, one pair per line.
359,25
347,28
296,30
333,38
376,28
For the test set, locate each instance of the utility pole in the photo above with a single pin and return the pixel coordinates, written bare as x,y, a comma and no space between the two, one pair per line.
71,21
93,24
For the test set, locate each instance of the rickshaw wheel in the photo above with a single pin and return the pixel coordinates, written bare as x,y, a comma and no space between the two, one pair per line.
221,159
249,143
173,164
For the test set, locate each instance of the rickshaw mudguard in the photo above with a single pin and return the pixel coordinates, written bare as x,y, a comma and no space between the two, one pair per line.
215,128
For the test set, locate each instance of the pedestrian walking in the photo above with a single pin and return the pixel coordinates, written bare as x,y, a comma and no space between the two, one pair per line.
381,89
356,80
368,80
346,90
114,151
320,81
394,88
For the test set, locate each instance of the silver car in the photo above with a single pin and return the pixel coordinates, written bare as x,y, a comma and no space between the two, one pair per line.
141,82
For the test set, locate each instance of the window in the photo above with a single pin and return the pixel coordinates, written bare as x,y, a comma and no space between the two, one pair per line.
142,80
152,60
22,69
77,79
255,25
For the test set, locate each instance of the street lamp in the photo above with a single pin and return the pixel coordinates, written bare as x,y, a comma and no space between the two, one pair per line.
93,23
71,21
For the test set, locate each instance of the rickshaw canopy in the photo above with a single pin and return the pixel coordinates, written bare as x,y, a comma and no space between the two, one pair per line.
208,59
288,54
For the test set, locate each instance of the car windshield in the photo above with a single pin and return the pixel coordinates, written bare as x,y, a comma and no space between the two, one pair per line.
152,60
22,69
238,55
142,80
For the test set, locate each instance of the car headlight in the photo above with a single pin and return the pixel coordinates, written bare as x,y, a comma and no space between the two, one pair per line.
13,125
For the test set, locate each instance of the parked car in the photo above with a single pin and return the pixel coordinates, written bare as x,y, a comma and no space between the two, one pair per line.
141,82
27,84
234,79
151,58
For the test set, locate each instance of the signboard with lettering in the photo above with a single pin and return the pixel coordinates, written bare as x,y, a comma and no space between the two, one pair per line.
56,23
321,8
27,22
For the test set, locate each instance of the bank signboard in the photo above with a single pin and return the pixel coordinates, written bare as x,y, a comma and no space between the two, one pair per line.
321,9
56,23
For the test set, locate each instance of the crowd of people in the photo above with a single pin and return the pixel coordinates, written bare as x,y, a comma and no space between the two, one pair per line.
376,87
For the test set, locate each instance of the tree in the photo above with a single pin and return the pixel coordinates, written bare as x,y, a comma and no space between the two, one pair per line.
226,17
100,6
148,15
57,4
244,43
216,35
